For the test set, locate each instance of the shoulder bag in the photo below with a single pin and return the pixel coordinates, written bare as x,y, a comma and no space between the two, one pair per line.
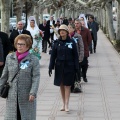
5,89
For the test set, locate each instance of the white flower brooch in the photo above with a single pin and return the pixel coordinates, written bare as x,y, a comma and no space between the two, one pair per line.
24,64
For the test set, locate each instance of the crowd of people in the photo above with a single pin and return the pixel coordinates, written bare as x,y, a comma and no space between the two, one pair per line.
69,41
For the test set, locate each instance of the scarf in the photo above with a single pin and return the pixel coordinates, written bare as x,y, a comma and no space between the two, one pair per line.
21,56
72,34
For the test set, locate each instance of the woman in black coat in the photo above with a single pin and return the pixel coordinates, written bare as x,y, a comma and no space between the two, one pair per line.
64,58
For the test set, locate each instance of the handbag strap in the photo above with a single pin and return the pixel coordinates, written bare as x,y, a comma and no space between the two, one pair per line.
15,75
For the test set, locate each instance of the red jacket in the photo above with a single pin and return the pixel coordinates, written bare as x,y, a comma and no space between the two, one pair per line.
87,38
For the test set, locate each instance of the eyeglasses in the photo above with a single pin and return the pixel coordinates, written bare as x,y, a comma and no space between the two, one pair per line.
20,44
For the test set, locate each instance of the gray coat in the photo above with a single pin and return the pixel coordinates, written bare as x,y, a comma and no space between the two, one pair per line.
26,83
80,47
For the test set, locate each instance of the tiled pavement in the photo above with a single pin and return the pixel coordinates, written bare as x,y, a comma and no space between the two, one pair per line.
100,99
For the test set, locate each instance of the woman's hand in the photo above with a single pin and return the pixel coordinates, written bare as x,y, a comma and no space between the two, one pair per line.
31,98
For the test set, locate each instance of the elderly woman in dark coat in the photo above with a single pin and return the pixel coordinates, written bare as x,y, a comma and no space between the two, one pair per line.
21,101
64,58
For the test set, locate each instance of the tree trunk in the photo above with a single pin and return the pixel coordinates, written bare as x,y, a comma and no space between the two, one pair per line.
56,15
118,22
19,10
63,12
36,14
41,15
72,14
101,13
51,12
30,12
110,21
59,13
104,20
5,15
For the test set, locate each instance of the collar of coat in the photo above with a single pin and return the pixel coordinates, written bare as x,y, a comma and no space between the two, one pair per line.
82,28
27,58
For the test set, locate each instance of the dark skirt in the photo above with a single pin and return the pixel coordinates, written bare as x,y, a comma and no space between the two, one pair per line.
64,73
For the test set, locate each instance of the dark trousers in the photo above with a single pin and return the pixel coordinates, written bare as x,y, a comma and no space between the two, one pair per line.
18,112
51,37
84,66
94,43
44,45
49,42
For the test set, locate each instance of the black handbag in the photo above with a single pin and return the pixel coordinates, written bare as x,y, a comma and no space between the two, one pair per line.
5,89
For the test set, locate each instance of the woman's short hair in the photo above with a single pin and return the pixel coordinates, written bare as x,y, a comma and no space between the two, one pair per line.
26,38
72,25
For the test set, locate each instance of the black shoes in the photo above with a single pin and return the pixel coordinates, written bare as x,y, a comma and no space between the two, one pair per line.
85,80
91,52
44,51
94,50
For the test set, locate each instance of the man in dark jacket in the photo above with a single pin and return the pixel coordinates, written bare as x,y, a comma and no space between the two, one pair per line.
93,27
15,33
5,44
46,29
51,23
65,21
86,36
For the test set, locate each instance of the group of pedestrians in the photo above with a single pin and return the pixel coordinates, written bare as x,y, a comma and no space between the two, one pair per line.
69,56
69,41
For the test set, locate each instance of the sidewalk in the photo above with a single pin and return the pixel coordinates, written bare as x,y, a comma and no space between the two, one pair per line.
100,99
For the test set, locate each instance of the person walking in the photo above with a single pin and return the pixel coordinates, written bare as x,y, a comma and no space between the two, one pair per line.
93,27
86,36
64,58
15,33
46,30
80,48
6,47
65,21
21,100
51,23
37,35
